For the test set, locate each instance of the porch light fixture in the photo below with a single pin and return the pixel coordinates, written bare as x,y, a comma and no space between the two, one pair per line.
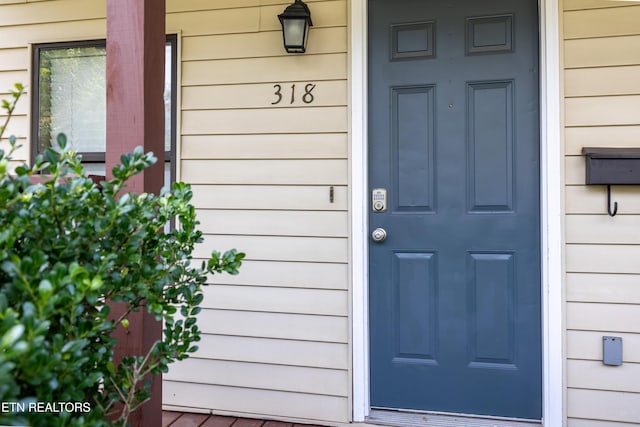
295,20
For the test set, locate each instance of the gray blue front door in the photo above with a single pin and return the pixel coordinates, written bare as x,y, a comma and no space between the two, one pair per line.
455,314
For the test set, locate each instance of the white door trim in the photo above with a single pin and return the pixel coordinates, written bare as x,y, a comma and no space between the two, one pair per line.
551,215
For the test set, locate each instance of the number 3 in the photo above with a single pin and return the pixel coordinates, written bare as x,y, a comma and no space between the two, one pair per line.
277,93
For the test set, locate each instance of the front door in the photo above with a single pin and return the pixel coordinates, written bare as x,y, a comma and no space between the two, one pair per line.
455,315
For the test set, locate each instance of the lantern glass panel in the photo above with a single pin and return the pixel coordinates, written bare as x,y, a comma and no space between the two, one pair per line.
294,34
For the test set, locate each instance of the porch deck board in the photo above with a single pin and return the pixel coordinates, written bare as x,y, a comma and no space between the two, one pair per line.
180,419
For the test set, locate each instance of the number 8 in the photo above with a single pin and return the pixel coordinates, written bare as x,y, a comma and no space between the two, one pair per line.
308,98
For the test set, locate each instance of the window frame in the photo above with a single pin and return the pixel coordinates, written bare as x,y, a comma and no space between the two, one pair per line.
100,157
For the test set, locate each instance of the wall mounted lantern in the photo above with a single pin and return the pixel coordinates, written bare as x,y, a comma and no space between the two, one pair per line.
296,20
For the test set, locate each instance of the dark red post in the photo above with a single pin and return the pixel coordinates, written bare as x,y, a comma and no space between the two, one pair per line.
135,117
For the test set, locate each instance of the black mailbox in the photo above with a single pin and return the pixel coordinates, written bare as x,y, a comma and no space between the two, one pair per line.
612,166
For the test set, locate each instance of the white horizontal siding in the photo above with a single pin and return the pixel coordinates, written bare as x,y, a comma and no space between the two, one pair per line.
586,374
604,405
594,4
277,197
20,35
611,81
174,6
592,199
326,93
321,381
606,22
263,44
608,288
603,259
611,51
603,229
272,70
324,302
47,11
301,327
617,136
601,100
289,120
574,422
274,351
587,345
265,146
310,275
278,332
20,155
274,223
269,172
277,248
605,110
18,126
264,403
603,317
9,77
14,59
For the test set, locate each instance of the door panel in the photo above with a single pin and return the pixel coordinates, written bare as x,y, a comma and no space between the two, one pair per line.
412,112
455,288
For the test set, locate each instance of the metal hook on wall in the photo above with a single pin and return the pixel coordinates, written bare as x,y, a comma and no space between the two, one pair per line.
615,204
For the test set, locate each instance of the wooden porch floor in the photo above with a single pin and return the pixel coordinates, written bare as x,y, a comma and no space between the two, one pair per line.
180,419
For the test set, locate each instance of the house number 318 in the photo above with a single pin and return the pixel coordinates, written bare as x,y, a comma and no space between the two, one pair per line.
307,97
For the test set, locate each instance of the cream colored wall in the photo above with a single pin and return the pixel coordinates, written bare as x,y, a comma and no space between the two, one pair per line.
276,336
275,340
602,109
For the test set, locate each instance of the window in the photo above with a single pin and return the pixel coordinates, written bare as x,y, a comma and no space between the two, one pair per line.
69,96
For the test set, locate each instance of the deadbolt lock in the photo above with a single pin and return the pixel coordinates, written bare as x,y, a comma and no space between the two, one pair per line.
379,199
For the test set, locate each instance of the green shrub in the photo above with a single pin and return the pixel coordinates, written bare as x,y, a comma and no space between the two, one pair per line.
67,246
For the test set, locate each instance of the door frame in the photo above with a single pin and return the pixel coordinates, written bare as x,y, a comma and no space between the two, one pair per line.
551,215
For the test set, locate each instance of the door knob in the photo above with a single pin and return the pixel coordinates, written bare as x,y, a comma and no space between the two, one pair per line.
379,235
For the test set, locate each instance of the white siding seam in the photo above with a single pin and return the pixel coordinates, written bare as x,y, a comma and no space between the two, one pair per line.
235,285
604,389
279,108
613,95
605,243
343,316
293,365
294,210
220,359
279,260
612,36
601,303
625,362
260,83
275,338
173,380
36,24
309,236
602,423
599,66
188,61
599,8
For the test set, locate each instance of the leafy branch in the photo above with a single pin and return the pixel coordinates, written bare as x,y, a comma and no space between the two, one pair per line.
67,246
10,106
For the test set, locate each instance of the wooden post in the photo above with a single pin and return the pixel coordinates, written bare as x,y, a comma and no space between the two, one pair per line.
135,117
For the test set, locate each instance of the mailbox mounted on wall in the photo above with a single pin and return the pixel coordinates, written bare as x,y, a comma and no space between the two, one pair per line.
612,166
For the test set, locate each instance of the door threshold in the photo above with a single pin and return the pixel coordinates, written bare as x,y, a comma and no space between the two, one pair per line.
401,418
